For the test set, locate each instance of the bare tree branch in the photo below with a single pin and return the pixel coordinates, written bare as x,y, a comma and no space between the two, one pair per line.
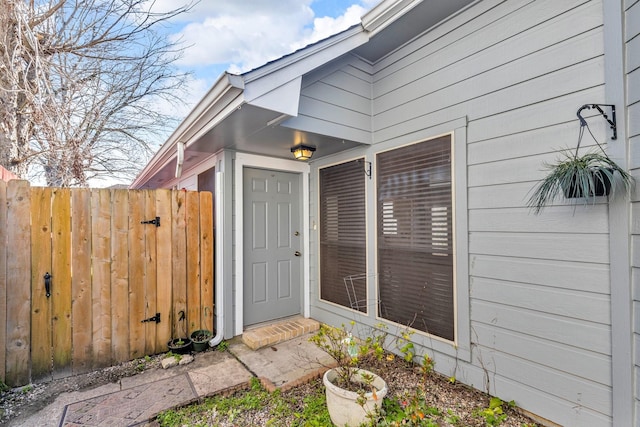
80,81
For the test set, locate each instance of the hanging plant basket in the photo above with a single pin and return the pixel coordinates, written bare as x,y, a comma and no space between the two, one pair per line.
584,177
596,184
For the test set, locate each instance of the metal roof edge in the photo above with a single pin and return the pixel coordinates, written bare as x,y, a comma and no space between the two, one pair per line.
385,13
225,83
302,53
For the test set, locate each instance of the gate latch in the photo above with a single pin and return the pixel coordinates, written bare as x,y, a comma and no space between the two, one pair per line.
155,221
155,318
47,284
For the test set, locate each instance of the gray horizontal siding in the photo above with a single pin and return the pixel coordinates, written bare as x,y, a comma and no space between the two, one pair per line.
570,304
570,385
558,356
583,335
540,293
507,50
560,275
536,115
503,33
633,62
553,221
632,39
335,100
634,109
588,248
464,86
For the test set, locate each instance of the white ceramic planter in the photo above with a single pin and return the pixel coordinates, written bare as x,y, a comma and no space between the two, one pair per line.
342,404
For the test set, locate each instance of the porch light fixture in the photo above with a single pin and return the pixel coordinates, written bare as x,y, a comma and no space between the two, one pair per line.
302,152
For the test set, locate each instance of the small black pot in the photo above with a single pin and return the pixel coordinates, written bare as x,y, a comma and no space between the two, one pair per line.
180,345
601,183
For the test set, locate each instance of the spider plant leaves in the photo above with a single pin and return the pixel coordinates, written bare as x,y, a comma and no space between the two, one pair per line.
585,177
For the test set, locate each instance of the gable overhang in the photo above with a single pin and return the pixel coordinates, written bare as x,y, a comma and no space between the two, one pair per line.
247,112
218,103
256,112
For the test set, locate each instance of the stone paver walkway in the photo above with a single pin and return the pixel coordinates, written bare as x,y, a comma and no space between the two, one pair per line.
134,401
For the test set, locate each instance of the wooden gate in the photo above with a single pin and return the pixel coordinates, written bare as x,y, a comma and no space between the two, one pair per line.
110,268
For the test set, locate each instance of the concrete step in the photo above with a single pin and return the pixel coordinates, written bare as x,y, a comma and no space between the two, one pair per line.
274,333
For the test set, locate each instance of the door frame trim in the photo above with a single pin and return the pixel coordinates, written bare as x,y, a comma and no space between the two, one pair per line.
243,160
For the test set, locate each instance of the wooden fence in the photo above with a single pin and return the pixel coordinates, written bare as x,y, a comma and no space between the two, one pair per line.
108,270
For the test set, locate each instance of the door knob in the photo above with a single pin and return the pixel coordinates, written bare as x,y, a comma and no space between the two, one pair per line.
297,253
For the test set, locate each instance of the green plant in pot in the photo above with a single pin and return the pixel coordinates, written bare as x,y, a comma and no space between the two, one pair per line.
180,345
200,339
585,177
353,393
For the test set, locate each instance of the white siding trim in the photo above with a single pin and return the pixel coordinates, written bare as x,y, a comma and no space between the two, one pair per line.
619,220
461,346
345,158
243,160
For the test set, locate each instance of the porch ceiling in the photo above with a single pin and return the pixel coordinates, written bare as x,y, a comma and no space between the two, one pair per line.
247,130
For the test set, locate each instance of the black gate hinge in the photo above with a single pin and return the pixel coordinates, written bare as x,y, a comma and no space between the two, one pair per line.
155,318
155,221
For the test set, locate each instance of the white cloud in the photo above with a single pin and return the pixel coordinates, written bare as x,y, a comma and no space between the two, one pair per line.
326,26
239,35
247,34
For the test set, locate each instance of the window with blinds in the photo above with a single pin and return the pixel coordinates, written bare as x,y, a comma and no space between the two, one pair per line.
415,236
342,234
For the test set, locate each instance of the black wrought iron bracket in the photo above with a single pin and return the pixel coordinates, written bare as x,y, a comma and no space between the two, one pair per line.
155,318
367,168
155,221
612,121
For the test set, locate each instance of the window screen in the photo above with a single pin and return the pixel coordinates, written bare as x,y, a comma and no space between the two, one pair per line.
415,246
342,234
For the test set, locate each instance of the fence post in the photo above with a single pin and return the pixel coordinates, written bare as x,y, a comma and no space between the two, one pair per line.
192,283
18,285
3,280
206,259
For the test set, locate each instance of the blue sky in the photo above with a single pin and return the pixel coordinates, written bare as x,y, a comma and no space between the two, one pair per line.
239,35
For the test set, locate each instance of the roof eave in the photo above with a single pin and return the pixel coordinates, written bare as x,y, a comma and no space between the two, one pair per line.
385,13
232,90
227,84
